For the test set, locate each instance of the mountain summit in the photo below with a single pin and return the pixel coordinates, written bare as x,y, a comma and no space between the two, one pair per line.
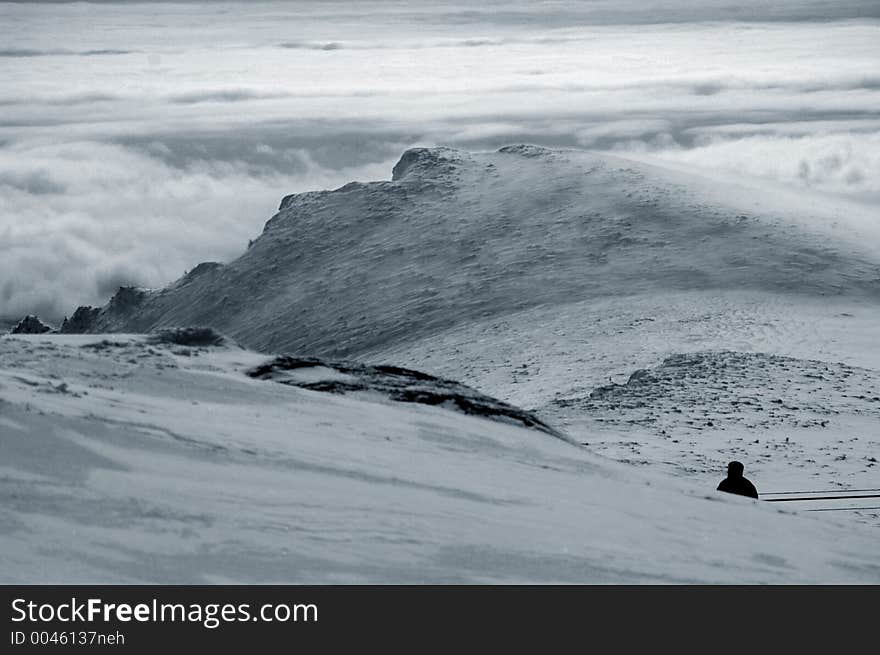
455,237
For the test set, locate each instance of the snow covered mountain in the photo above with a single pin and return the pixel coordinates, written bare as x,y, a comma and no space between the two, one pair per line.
457,237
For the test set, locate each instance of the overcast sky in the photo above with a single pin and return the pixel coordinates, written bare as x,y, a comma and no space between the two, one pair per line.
137,139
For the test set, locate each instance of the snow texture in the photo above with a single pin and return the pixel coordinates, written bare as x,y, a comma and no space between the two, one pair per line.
126,461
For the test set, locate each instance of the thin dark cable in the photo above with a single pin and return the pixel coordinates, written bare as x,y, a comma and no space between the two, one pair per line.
795,500
839,509
824,491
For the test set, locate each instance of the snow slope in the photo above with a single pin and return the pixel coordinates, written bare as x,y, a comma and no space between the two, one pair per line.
127,459
788,383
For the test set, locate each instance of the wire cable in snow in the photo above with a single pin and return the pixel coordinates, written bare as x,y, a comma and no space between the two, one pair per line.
840,509
824,491
794,500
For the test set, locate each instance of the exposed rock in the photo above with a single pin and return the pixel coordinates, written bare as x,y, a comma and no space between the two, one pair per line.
31,324
397,384
83,321
91,320
724,389
432,161
125,300
303,199
205,268
526,150
189,336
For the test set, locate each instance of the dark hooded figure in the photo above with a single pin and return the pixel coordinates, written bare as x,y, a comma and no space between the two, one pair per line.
735,483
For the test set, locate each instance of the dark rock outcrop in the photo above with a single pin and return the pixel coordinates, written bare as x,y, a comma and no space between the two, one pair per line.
431,161
205,268
526,150
189,336
125,300
397,384
122,306
31,324
83,321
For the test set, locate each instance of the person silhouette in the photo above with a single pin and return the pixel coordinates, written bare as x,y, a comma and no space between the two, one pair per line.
735,483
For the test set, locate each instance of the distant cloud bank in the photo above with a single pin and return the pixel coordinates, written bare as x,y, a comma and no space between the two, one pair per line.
132,152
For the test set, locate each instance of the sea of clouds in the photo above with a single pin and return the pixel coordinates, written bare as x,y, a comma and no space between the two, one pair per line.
138,139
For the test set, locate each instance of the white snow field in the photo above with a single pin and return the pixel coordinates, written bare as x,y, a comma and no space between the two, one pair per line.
667,320
126,461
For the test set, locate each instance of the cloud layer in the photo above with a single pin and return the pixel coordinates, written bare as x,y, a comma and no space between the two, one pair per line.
138,140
